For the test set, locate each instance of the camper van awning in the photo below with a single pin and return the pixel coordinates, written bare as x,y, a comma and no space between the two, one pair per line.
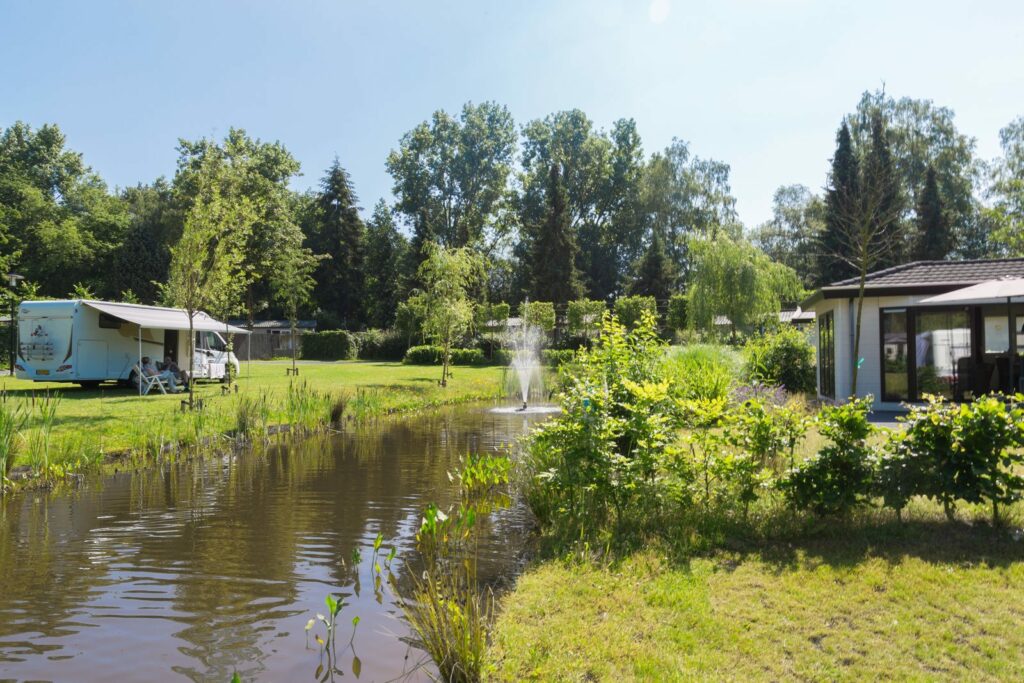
158,318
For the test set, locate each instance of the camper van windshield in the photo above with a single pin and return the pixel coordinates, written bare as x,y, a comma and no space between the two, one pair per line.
210,340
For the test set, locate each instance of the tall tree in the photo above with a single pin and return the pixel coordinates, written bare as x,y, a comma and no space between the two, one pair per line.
922,134
841,198
1006,191
934,241
868,235
59,222
142,260
451,174
553,260
654,274
207,263
685,196
792,234
385,250
260,173
337,231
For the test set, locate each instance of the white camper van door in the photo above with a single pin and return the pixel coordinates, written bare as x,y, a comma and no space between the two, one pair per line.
92,360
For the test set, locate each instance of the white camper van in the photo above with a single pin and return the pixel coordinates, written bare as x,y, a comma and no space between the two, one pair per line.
89,342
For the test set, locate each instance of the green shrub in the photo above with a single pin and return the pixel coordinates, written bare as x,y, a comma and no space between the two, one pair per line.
423,355
950,452
676,317
840,476
381,345
538,313
583,317
555,358
630,309
703,371
329,345
594,467
782,358
431,355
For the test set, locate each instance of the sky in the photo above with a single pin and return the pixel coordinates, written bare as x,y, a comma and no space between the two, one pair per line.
759,84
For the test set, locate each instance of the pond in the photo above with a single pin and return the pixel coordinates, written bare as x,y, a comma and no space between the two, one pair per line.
199,569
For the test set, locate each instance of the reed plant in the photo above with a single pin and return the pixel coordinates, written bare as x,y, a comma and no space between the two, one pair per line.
252,417
40,441
13,416
305,407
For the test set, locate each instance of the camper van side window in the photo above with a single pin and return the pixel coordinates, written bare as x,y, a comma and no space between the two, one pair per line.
109,322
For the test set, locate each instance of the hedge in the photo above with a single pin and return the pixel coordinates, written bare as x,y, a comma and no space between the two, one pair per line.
381,345
431,355
329,345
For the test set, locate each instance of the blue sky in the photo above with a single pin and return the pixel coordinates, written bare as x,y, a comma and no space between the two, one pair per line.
759,84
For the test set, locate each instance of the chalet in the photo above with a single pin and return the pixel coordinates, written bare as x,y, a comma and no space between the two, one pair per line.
928,327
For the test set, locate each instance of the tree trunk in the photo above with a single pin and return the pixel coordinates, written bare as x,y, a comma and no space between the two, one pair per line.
191,357
293,346
856,332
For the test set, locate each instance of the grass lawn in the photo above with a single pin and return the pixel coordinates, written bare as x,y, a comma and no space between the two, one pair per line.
90,423
922,600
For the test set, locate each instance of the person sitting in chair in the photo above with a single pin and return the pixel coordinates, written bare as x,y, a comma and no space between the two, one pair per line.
172,367
150,370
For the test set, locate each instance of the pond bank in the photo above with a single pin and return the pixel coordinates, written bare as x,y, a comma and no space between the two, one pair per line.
91,428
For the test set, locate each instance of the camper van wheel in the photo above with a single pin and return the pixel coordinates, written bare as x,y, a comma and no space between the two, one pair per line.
90,384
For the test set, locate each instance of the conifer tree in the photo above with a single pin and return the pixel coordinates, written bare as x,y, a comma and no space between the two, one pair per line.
385,251
933,240
880,196
554,250
654,273
339,233
840,197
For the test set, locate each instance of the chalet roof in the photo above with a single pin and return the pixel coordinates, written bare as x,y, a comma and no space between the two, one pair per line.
922,277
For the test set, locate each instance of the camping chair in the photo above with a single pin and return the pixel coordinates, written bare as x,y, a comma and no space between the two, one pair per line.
150,381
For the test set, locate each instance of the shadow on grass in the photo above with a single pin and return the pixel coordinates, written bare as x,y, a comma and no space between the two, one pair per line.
847,544
786,542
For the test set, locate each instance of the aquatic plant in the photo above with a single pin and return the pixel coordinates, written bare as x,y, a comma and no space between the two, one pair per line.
12,418
39,442
252,417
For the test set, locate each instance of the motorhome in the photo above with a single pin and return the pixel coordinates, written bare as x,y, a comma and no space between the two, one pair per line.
88,342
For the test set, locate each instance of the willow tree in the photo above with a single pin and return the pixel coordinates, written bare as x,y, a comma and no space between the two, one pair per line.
735,279
207,261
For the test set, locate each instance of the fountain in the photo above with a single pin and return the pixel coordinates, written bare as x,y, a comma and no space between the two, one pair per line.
525,341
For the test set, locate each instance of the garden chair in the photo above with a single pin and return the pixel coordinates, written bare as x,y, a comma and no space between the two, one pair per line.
150,381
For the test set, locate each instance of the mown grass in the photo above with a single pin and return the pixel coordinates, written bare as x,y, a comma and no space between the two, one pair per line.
869,599
92,423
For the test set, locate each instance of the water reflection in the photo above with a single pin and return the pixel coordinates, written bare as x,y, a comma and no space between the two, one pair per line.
207,568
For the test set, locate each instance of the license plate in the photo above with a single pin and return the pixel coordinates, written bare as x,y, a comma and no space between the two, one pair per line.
42,372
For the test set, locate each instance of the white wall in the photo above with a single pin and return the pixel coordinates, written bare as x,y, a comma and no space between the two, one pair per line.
869,377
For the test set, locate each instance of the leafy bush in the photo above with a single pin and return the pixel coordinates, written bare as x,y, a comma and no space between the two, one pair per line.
630,309
596,464
676,317
381,345
784,358
538,313
556,358
583,317
840,476
329,345
431,355
950,452
703,371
